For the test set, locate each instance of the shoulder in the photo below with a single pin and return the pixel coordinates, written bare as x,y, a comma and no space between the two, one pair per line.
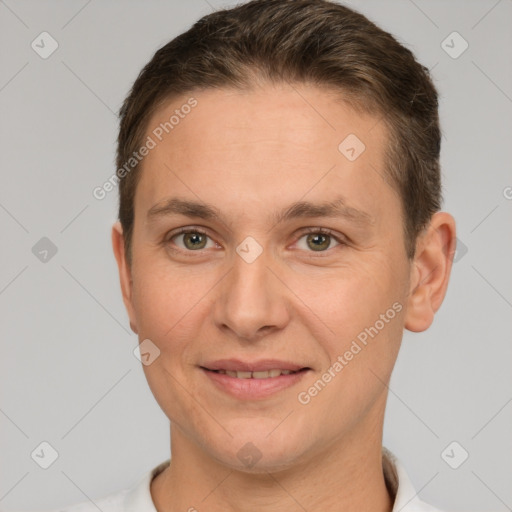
131,499
400,485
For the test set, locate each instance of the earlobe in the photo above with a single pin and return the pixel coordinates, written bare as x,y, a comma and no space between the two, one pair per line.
430,271
125,276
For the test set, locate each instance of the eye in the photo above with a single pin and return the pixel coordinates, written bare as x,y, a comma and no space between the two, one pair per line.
193,239
319,240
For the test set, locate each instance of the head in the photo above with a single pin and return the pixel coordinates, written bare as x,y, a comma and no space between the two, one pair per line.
254,112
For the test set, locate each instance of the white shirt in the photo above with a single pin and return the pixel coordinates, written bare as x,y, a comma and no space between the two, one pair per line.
138,498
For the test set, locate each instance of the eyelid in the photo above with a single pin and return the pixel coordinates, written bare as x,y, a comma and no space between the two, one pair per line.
183,230
340,239
324,231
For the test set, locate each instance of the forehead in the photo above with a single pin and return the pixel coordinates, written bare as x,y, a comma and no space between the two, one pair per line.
274,144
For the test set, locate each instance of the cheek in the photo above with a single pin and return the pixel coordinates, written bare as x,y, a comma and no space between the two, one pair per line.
363,308
361,359
168,311
350,298
161,300
172,306
153,298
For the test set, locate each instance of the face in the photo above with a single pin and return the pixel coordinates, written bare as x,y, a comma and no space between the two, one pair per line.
324,291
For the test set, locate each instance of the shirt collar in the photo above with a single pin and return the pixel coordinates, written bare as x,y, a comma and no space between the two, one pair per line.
400,486
406,498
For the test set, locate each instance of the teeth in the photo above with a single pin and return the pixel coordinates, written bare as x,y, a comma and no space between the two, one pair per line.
261,375
255,375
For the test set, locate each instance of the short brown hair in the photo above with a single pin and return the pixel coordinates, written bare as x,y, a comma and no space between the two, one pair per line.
315,42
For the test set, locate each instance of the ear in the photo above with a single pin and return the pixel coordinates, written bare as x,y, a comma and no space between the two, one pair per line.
125,276
430,271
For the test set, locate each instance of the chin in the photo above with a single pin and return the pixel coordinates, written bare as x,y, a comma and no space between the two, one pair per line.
253,461
258,450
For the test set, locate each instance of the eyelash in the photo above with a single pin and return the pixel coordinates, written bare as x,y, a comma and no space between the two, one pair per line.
306,231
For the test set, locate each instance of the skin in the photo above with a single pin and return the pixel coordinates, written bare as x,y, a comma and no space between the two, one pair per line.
250,153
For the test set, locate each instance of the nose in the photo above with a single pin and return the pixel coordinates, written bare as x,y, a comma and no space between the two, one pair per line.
251,301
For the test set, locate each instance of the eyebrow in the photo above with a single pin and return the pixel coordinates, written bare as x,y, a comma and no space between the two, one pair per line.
300,209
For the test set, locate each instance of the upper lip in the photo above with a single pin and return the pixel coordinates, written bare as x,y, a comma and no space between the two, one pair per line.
251,366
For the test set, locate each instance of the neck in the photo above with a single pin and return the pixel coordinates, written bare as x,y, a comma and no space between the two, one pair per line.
347,476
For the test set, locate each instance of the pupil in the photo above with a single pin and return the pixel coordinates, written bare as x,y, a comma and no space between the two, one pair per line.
191,239
316,237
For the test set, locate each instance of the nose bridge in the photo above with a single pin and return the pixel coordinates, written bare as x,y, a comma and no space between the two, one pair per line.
251,298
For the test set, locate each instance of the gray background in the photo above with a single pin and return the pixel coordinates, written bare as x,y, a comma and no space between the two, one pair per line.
68,374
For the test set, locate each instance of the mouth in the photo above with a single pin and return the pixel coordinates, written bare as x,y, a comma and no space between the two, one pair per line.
263,374
254,384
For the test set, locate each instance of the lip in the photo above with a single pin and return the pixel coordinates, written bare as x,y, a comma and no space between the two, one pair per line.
251,366
254,389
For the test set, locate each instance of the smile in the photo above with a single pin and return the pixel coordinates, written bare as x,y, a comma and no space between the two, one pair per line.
255,385
255,375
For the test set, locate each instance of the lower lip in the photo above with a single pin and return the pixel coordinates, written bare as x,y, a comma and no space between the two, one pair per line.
252,389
